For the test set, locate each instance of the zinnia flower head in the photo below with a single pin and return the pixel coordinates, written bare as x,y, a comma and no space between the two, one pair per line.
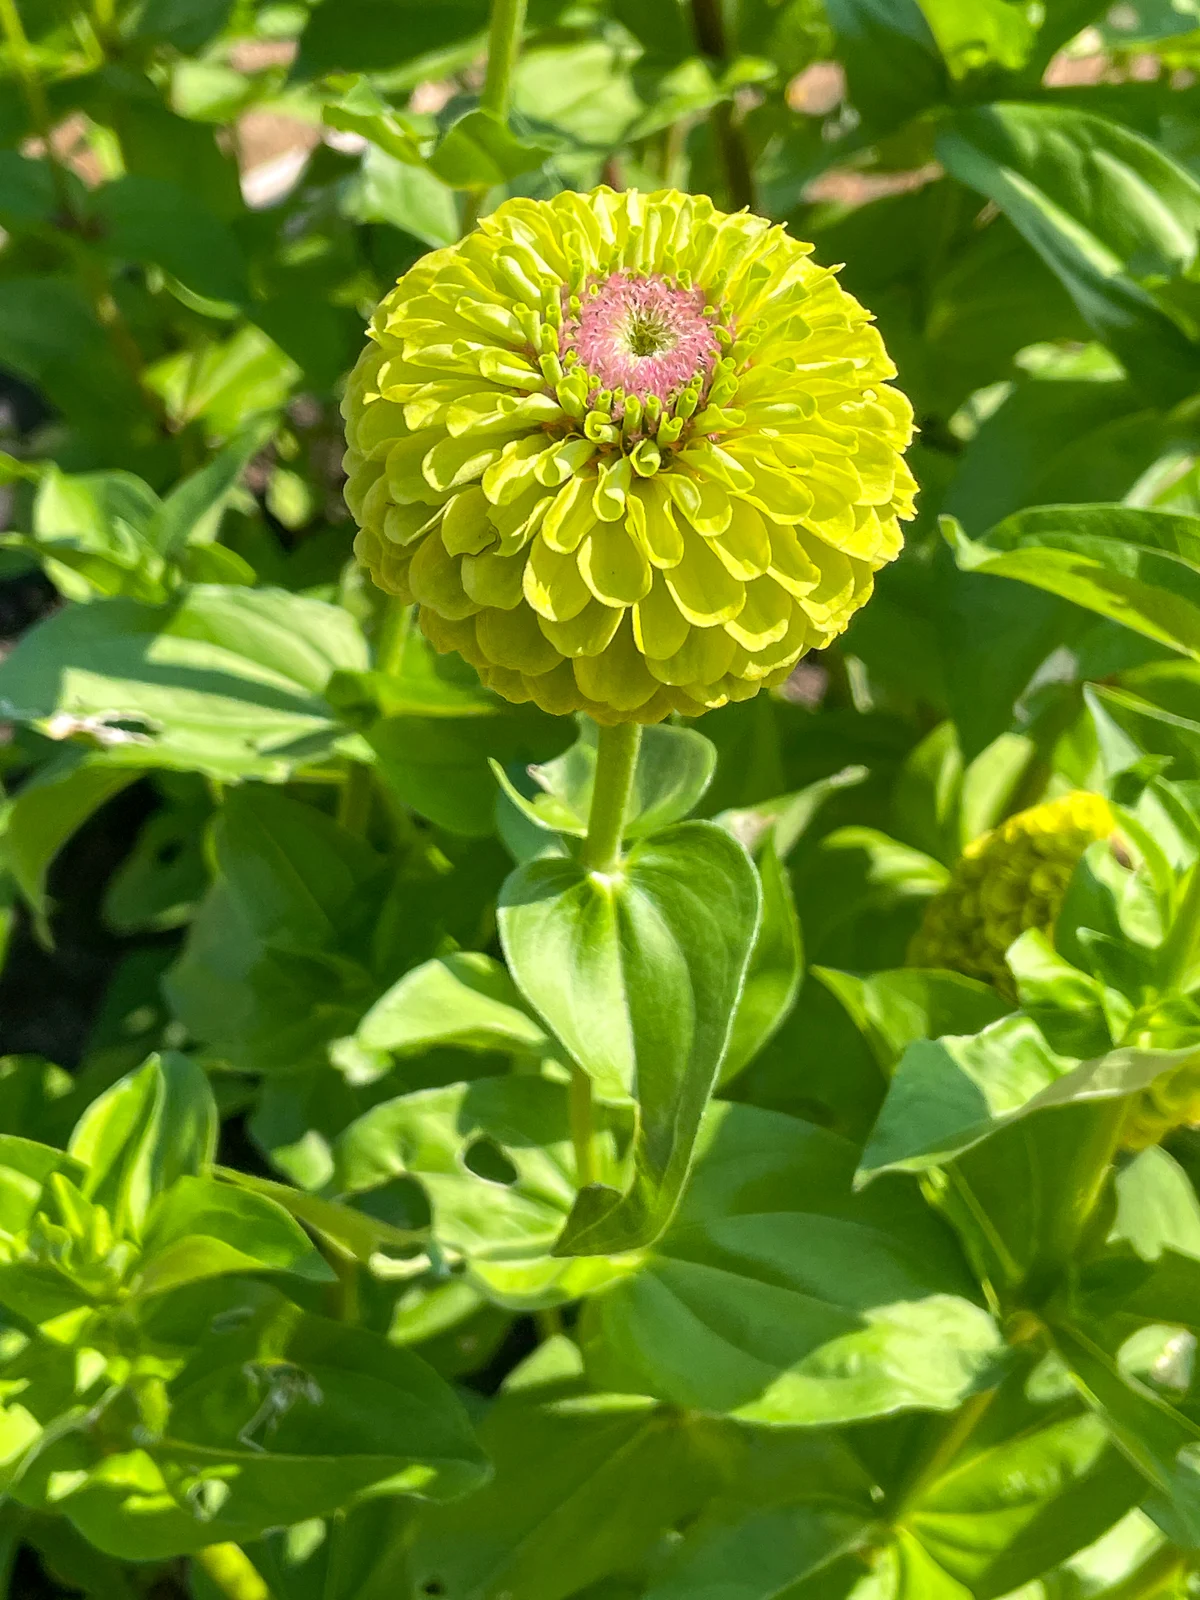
630,455
1013,878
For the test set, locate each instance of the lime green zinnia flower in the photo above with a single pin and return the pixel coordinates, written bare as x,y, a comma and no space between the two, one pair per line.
630,455
1010,879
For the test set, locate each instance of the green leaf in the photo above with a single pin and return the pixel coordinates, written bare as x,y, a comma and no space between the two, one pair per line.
772,1553
494,1157
91,535
192,511
224,382
1054,440
463,999
891,59
1076,1014
638,975
1146,727
25,1168
360,110
403,196
1150,1270
420,683
906,1571
1021,1499
583,1486
361,1554
1140,568
775,971
202,1229
1157,1208
1160,1441
51,336
162,880
155,220
27,194
974,35
152,1127
1105,210
950,1094
674,769
52,806
892,1009
440,765
277,1417
274,967
223,681
374,35
353,1233
480,151
789,816
749,1304
187,24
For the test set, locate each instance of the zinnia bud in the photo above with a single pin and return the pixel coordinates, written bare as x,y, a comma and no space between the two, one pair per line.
630,455
1006,881
1172,1102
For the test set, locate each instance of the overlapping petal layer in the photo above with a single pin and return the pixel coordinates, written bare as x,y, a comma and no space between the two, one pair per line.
1013,878
629,454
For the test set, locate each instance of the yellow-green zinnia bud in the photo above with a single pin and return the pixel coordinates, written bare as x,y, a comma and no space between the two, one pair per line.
630,455
1006,881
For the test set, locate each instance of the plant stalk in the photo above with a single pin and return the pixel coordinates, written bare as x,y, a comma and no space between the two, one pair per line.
234,1574
354,802
708,24
616,764
394,628
504,46
579,1114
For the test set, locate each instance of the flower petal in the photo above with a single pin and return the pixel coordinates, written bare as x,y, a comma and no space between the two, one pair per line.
701,586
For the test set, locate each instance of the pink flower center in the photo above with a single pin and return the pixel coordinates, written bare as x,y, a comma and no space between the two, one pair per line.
643,335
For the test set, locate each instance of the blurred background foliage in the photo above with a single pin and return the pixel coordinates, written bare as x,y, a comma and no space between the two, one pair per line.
243,802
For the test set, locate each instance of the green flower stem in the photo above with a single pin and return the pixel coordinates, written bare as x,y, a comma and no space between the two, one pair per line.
579,1114
472,201
234,1574
504,45
708,24
394,629
616,764
344,1294
549,1322
354,802
1157,1576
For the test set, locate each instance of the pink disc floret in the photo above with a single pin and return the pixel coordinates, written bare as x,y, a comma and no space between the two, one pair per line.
644,335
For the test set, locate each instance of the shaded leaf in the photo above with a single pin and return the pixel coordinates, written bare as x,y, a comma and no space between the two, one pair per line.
638,974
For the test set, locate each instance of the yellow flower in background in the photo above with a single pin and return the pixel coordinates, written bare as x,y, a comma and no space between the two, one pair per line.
1006,881
629,454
